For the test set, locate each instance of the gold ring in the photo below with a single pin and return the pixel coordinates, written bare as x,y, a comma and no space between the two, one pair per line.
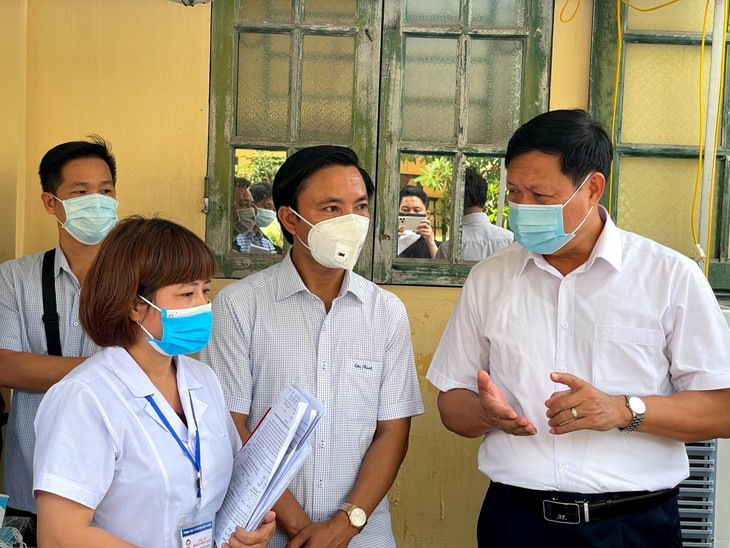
574,412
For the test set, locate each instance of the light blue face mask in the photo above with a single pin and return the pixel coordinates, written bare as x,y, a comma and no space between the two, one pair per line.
264,217
539,227
90,217
184,330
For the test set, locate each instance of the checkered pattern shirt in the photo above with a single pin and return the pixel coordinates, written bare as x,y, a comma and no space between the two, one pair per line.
259,239
21,329
270,331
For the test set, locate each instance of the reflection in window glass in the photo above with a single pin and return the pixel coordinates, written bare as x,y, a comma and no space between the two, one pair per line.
255,227
429,90
484,220
424,207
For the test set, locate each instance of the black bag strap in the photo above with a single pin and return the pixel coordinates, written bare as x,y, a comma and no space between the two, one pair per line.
50,313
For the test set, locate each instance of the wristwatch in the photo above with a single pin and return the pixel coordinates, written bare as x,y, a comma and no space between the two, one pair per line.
357,516
638,409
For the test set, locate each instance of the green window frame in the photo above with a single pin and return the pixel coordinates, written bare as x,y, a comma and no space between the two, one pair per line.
379,30
603,75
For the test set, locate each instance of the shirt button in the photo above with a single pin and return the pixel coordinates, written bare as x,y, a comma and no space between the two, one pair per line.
565,325
321,444
324,366
563,370
321,484
563,465
76,324
567,284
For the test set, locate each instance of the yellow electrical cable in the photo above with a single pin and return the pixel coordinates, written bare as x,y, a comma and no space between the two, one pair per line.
562,11
700,147
650,9
717,134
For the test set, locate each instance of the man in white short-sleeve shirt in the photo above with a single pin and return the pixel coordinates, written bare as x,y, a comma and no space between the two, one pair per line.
311,320
585,357
479,237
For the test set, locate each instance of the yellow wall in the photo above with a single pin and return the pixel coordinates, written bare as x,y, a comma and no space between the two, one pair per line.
136,72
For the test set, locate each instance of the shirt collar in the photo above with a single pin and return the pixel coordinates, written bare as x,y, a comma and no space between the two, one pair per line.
289,282
475,218
138,383
608,248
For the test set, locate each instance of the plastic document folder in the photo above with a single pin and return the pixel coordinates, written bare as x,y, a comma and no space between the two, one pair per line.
268,461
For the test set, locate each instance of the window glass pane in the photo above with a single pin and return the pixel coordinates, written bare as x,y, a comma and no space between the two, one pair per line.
494,81
424,204
327,88
655,197
263,86
483,227
433,12
266,10
659,79
329,11
429,90
686,15
254,174
498,13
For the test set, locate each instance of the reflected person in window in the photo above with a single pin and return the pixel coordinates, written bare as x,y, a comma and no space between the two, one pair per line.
265,215
418,243
343,338
479,237
248,239
584,357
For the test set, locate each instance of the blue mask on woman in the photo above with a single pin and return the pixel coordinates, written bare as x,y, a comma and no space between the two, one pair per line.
539,227
184,330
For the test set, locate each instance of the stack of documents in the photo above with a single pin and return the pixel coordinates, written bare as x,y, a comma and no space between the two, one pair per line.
268,461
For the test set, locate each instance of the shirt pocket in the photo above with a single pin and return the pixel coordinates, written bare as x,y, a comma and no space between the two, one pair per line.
627,360
360,390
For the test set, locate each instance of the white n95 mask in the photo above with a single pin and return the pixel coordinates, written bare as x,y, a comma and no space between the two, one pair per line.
336,243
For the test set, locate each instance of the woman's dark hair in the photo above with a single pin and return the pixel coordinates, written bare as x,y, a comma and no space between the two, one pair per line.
138,257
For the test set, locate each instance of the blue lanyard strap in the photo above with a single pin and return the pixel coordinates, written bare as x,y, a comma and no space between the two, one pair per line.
195,460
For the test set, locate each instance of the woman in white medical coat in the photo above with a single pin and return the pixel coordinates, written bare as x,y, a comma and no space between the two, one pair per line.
135,446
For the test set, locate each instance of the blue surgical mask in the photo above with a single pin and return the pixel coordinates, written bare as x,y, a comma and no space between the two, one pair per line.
264,217
90,217
539,227
184,330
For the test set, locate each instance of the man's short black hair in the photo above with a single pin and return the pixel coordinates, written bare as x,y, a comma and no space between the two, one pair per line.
581,143
415,191
55,159
475,189
299,166
260,191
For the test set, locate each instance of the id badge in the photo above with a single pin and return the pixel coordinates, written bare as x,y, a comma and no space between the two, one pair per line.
197,533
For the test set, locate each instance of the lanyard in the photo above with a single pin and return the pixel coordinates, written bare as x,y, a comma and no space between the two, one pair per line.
195,460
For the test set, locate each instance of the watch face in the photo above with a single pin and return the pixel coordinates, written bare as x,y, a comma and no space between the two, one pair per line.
358,517
637,405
